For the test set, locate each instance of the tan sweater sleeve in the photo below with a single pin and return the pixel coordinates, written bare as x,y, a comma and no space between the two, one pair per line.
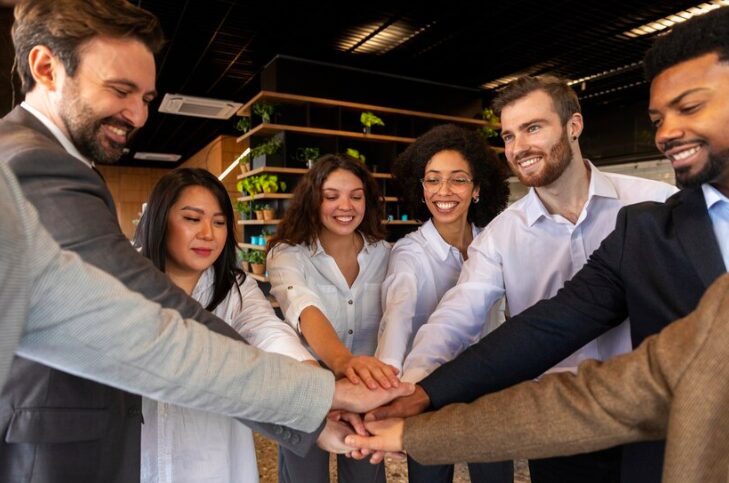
624,399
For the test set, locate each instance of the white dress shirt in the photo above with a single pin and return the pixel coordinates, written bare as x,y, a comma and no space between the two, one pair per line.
526,254
303,276
423,266
718,206
181,445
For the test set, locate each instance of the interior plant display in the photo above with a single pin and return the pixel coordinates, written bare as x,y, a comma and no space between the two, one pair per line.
489,116
355,154
245,208
269,213
243,256
257,259
264,109
368,120
269,183
266,234
244,161
258,212
309,155
249,185
243,125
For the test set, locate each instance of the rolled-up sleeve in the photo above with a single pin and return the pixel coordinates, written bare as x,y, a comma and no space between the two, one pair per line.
287,275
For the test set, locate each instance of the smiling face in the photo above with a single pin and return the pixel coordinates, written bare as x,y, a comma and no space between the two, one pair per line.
107,99
536,143
689,105
343,203
448,202
196,232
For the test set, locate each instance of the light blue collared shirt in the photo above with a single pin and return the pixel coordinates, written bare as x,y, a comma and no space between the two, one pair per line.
718,206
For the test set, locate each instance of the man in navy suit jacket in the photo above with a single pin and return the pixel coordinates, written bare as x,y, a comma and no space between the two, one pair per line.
653,268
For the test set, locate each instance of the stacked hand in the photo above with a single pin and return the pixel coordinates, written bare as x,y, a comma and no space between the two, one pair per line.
368,369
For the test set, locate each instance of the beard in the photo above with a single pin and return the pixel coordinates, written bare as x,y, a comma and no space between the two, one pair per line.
555,163
85,129
717,164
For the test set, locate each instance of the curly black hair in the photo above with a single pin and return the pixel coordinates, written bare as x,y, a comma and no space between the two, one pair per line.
489,173
701,35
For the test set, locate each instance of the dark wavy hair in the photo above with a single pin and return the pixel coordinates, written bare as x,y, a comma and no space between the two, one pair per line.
65,25
302,222
488,172
151,232
708,33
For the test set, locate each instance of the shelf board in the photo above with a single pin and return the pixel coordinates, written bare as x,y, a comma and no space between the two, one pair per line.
266,196
259,222
381,175
390,199
273,169
269,128
401,222
281,97
251,246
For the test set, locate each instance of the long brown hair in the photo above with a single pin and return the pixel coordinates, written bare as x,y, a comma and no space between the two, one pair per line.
302,222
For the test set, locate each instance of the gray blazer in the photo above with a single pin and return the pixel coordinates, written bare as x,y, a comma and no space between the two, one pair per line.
75,317
56,426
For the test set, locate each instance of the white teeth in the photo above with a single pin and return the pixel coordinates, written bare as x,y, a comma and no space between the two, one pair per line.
685,154
445,205
529,162
344,219
116,130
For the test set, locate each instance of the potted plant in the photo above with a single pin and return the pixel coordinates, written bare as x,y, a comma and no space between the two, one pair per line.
243,259
269,213
243,125
267,235
487,130
258,212
245,208
257,259
249,185
309,155
268,152
269,183
368,120
244,162
264,109
356,154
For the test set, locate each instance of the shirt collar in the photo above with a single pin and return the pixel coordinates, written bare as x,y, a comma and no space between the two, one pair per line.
600,185
318,249
712,195
435,240
57,133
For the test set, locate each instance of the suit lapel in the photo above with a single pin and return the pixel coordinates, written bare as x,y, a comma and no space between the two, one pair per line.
696,235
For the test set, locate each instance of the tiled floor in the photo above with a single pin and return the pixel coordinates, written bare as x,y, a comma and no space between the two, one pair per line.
396,471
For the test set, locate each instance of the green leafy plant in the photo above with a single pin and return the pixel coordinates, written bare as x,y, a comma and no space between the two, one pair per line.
243,125
249,185
269,183
245,208
308,153
257,256
264,109
355,154
269,147
490,117
368,120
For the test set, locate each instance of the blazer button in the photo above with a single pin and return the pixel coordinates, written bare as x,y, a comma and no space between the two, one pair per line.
290,287
278,430
295,439
350,332
287,435
350,302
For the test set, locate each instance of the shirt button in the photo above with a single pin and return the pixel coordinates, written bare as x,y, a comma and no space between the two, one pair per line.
350,302
290,287
350,332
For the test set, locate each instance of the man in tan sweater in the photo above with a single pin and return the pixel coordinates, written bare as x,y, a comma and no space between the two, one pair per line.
674,386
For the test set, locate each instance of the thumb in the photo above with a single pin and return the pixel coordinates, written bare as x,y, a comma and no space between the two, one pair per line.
361,442
405,389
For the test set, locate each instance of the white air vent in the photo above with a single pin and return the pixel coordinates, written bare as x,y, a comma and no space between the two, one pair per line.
157,156
198,106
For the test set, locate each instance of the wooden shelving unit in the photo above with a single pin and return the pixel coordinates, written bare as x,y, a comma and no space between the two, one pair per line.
270,129
259,222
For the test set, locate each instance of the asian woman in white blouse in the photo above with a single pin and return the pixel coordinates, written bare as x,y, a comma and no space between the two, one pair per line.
326,265
188,232
451,178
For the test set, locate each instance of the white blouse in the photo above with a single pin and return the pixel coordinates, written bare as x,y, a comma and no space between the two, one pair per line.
181,445
423,266
303,276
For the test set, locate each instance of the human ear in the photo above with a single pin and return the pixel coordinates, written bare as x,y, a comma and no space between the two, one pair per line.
44,67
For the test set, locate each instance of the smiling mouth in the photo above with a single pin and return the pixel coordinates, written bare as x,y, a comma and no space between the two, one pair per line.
203,251
525,163
684,154
344,219
445,205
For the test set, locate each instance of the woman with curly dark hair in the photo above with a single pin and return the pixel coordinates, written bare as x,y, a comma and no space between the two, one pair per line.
455,183
326,266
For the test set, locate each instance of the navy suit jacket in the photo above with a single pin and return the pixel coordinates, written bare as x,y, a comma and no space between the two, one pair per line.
653,268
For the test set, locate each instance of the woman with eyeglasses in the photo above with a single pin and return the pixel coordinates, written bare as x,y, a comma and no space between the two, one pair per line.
455,183
326,265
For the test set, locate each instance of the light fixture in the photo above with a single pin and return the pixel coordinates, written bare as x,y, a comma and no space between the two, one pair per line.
670,20
379,38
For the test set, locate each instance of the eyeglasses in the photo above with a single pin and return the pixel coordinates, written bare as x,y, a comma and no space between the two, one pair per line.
456,184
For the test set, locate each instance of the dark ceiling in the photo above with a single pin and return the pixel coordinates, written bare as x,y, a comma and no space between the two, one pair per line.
216,48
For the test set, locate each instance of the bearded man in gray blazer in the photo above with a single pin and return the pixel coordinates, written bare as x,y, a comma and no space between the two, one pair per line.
88,73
